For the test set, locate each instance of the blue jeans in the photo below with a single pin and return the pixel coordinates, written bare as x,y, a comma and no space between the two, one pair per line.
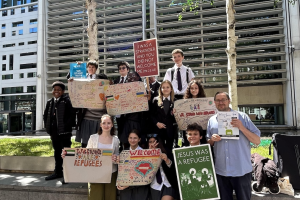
241,185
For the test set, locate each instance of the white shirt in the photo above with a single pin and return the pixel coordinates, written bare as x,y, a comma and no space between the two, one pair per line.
156,186
169,98
56,99
93,76
138,148
183,78
124,78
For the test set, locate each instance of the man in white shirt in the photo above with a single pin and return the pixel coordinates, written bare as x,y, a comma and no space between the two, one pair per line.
179,75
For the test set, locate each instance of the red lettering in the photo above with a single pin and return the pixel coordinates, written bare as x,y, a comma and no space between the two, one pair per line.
133,153
212,112
86,163
181,114
75,163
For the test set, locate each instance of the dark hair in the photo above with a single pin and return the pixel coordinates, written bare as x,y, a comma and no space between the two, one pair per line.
135,131
160,142
188,93
197,127
222,93
133,74
60,84
124,63
92,62
112,131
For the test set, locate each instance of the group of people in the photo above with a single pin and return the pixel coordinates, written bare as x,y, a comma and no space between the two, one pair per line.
156,128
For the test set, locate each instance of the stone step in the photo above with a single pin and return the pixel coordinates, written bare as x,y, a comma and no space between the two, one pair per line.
20,186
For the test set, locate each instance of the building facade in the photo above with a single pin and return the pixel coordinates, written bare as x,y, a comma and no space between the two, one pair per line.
18,50
267,48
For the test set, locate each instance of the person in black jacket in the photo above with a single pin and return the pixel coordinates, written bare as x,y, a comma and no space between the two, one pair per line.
88,120
59,117
162,114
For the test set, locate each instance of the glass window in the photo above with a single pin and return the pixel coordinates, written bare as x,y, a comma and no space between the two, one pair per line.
7,76
21,75
13,33
33,30
11,62
4,119
23,10
12,90
28,54
28,66
21,32
33,21
3,26
21,43
12,11
4,57
33,8
31,88
31,74
8,45
4,13
32,42
17,24
3,34
3,67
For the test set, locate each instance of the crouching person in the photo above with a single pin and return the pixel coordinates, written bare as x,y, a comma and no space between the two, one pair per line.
59,117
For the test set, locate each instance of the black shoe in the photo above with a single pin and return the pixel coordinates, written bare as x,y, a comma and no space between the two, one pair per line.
63,182
53,176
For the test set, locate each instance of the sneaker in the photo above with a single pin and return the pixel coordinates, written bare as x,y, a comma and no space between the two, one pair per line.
53,176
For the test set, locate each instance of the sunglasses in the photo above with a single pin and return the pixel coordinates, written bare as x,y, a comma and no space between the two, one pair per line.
154,135
122,68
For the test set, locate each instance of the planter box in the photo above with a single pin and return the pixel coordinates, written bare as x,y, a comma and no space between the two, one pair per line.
27,163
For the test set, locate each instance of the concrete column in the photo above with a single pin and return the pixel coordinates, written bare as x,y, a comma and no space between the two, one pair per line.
41,93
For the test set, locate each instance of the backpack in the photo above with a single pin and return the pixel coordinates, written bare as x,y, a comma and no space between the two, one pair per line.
187,74
286,154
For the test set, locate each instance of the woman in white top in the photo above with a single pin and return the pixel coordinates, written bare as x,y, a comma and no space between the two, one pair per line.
165,185
105,139
134,192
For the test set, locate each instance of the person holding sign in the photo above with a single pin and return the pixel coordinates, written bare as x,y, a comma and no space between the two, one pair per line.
105,139
164,185
134,192
194,90
195,134
162,114
88,119
232,157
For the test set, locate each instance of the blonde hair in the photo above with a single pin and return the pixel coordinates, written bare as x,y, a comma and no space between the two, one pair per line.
160,94
177,51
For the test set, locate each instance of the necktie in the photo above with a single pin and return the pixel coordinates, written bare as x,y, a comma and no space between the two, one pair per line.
158,176
179,79
122,80
91,76
166,105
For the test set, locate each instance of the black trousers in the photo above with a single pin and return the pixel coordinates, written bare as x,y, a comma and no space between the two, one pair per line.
241,185
58,143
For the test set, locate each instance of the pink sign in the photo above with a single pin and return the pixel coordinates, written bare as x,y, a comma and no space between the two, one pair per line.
146,58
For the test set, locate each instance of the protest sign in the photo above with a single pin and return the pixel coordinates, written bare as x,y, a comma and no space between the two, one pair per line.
196,173
225,129
78,70
87,93
195,110
146,58
83,165
125,98
138,167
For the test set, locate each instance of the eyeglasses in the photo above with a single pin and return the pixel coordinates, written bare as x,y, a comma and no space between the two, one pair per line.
153,135
221,101
122,68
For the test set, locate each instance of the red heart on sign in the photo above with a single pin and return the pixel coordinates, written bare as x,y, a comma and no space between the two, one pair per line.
143,168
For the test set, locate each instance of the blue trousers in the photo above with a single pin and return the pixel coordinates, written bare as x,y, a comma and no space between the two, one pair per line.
241,185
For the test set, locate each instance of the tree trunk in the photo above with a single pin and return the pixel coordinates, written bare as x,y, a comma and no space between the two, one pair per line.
231,53
92,30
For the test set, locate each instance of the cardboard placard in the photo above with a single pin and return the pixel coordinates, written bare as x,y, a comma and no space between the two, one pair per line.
125,98
87,165
146,58
196,173
225,129
78,70
195,110
138,167
87,93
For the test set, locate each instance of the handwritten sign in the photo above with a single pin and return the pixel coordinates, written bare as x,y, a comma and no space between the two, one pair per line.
125,98
78,70
83,165
196,173
138,167
195,110
87,93
146,58
225,129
